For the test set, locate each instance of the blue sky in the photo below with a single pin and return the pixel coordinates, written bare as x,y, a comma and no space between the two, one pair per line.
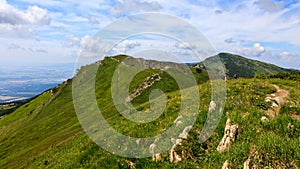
48,32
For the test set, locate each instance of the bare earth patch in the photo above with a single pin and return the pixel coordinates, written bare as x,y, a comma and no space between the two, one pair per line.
277,99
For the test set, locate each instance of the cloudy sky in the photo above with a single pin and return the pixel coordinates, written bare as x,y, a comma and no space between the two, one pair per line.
46,32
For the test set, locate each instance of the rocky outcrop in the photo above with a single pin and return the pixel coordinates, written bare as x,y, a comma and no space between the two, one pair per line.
149,81
230,135
174,156
52,92
276,99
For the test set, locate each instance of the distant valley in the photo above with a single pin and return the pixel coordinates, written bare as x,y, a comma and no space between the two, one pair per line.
24,82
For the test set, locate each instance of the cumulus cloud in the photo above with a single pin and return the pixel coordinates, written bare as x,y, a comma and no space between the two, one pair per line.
131,6
16,22
256,51
86,46
89,46
125,46
13,16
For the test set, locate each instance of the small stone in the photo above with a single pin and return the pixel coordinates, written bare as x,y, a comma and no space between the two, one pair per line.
212,106
290,126
275,105
226,165
264,119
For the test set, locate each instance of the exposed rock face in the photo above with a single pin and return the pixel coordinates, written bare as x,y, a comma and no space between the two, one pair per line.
230,134
226,165
149,81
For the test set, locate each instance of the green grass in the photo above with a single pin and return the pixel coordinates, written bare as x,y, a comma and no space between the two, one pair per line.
45,133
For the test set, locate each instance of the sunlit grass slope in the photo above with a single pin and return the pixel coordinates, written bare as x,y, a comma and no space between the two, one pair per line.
45,133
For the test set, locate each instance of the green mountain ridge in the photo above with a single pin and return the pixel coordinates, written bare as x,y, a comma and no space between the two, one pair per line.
244,67
46,133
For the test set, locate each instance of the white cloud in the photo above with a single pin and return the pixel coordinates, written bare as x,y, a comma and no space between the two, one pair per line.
228,25
72,41
16,30
256,51
15,22
288,54
125,46
130,6
89,46
13,16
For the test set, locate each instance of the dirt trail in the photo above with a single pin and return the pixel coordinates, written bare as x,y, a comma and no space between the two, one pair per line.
277,99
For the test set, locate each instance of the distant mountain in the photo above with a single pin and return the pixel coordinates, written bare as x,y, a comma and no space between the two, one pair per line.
244,67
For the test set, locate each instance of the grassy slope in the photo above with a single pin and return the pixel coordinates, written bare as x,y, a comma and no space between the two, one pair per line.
51,137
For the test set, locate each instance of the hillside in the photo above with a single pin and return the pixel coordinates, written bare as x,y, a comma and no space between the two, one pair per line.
46,133
245,67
